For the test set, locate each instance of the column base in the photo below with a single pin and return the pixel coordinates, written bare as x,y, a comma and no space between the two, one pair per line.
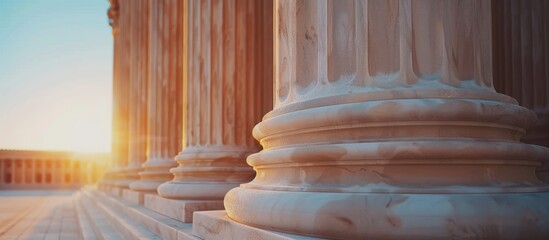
195,190
127,176
346,215
181,210
146,185
123,183
539,135
216,225
155,172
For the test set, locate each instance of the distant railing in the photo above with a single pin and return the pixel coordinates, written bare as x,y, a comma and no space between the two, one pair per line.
22,169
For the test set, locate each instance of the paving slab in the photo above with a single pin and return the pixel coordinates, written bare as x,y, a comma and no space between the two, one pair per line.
37,214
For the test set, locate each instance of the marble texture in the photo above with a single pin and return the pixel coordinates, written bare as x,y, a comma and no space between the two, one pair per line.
386,125
139,77
181,210
216,225
119,21
133,196
521,62
163,226
122,226
165,104
224,86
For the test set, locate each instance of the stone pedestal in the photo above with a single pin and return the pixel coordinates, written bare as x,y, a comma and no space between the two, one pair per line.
226,75
181,210
133,196
165,95
386,126
521,62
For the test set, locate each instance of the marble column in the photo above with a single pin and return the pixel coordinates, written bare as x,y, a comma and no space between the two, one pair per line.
165,100
521,62
225,76
119,21
137,60
386,126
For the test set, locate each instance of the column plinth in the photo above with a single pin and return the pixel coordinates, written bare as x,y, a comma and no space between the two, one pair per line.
386,125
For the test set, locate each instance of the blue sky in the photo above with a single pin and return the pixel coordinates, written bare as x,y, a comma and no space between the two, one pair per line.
55,75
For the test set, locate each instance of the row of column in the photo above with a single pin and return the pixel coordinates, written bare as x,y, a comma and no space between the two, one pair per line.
385,124
226,92
30,171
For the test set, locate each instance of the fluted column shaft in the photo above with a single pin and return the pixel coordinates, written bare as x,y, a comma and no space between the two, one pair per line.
386,126
138,62
165,100
521,62
119,20
225,75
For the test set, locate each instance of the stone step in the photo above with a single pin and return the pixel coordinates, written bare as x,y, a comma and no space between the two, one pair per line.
102,229
161,225
86,229
216,225
128,227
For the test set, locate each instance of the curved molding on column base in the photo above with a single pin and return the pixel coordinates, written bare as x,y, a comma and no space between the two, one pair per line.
127,176
123,183
154,174
110,177
150,180
539,135
158,163
393,216
195,190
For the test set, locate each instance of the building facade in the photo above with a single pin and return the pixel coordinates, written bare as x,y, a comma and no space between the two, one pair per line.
25,169
309,119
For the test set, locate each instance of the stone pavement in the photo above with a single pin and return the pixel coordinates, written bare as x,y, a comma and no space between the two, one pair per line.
38,215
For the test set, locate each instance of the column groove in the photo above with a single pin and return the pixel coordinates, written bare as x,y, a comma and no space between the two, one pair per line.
165,99
417,142
521,62
223,99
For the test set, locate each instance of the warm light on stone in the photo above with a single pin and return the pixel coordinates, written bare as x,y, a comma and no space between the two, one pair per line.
225,81
309,119
165,95
386,125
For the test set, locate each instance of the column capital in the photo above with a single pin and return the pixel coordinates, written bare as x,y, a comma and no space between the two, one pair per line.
113,13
